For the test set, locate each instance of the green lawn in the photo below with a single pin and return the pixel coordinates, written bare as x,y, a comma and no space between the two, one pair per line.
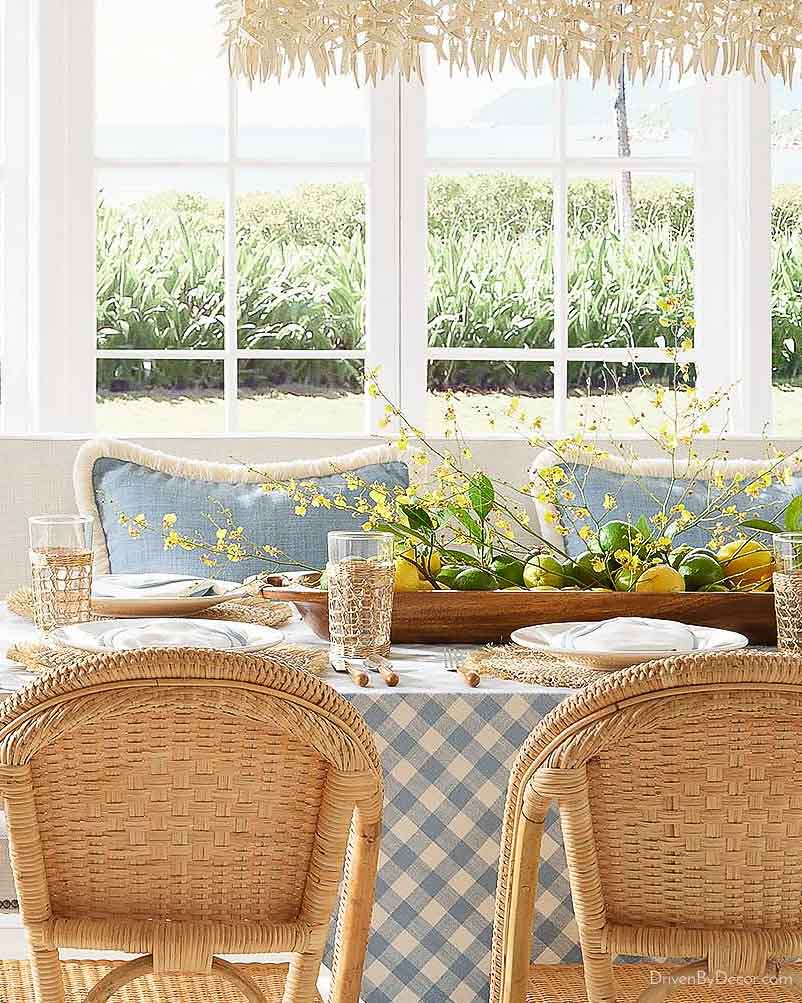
280,413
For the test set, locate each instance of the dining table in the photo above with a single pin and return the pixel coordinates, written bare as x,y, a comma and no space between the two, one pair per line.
447,749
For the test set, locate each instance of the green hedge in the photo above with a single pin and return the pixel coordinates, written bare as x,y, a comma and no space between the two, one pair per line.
302,278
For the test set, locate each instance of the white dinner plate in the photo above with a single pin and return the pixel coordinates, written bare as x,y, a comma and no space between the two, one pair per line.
138,601
167,632
546,637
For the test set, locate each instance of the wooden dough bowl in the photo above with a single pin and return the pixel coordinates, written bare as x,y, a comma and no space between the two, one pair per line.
480,617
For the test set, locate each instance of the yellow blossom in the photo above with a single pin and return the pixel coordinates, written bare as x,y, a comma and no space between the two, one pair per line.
169,520
608,503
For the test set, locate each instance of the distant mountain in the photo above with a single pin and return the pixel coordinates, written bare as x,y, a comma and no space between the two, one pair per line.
649,107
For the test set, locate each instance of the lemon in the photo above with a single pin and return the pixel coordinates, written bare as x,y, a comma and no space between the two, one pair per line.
748,565
660,578
433,563
543,588
425,586
406,576
544,570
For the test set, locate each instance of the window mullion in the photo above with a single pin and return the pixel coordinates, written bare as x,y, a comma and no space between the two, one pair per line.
230,267
383,315
14,218
560,231
750,252
63,300
413,329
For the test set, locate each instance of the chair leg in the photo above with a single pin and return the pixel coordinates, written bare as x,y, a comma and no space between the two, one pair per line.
48,981
356,909
517,948
302,978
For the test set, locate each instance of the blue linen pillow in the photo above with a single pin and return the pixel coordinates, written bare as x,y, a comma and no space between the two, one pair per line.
121,484
633,497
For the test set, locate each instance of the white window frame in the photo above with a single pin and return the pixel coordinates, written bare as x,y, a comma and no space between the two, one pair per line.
15,99
53,370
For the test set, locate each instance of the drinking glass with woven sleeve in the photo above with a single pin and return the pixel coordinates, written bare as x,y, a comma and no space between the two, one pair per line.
61,569
788,589
361,575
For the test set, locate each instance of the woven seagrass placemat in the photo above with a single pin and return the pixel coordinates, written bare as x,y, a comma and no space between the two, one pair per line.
41,657
263,612
511,661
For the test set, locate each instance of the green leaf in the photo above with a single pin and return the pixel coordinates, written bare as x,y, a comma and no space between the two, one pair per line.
761,525
457,557
474,529
793,515
482,495
418,517
642,526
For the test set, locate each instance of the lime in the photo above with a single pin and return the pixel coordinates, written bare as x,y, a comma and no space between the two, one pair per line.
324,582
700,570
508,570
475,580
716,587
586,573
544,570
678,555
660,578
448,573
617,535
624,579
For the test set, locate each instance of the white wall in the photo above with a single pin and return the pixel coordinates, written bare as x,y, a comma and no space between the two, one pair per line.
36,472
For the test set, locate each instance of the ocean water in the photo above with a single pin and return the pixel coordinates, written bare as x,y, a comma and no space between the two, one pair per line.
349,146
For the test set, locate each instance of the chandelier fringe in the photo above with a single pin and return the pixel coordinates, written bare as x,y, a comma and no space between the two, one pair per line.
369,40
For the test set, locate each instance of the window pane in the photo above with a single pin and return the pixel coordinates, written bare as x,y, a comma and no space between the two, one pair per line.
630,240
301,247
657,119
160,260
161,79
300,118
491,278
504,116
296,395
609,397
162,395
481,394
786,279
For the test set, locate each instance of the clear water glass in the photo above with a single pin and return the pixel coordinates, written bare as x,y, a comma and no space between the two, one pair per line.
361,576
788,589
61,569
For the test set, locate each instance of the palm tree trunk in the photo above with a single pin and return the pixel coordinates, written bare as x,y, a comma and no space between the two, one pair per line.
624,192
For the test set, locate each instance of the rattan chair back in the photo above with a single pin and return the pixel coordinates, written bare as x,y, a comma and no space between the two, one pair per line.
183,804
679,788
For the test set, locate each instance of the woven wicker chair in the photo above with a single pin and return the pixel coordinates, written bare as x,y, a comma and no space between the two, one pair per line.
184,804
679,788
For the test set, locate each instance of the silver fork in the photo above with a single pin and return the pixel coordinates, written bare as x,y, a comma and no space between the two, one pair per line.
452,663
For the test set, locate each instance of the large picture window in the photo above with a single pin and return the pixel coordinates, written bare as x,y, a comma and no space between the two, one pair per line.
247,254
